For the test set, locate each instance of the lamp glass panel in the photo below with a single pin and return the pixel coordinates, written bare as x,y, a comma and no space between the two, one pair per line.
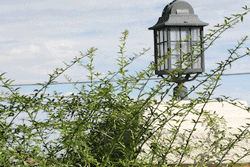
175,59
162,63
157,36
158,58
161,36
166,63
175,48
195,33
162,56
197,63
158,63
157,50
185,34
196,48
185,47
165,34
174,34
161,50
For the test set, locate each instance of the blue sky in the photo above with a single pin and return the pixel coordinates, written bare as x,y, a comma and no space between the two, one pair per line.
36,36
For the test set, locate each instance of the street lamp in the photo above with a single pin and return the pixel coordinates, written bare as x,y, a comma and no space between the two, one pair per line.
178,44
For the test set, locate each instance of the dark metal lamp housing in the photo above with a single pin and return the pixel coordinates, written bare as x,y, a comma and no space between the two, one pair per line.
175,34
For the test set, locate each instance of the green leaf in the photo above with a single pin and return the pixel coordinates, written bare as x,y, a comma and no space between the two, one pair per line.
241,18
245,7
228,18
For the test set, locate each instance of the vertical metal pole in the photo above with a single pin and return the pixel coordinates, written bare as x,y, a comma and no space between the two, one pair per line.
180,91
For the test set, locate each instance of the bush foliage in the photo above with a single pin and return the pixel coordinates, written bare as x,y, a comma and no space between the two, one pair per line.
117,121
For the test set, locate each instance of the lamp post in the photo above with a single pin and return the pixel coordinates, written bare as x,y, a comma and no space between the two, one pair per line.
178,44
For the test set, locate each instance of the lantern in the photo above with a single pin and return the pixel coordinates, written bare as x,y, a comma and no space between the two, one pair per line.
178,44
178,34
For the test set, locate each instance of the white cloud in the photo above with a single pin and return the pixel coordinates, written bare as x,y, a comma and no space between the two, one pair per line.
34,49
59,48
17,51
25,50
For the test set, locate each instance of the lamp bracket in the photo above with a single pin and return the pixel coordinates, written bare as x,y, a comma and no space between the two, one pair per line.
180,80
